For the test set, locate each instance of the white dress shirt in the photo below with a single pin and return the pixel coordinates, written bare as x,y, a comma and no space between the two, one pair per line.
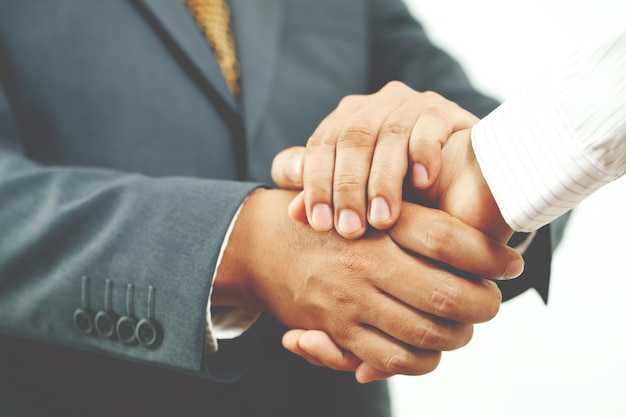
560,139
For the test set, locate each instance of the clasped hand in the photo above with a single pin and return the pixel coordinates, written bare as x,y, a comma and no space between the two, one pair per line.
357,162
392,300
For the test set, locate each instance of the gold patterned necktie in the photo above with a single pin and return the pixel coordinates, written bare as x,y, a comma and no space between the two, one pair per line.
213,17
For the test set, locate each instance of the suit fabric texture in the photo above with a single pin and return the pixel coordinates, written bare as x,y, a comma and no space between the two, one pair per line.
123,157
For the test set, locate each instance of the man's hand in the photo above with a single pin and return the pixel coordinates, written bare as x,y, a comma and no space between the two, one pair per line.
357,156
374,297
460,189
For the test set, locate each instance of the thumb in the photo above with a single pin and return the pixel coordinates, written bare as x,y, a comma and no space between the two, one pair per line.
430,133
287,168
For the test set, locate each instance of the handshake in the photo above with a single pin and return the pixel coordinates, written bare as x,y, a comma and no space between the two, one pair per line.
395,243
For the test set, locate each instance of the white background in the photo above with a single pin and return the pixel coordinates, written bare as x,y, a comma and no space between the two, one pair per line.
567,358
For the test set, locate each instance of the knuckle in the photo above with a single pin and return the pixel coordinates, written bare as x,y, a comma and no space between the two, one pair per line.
320,140
399,363
350,100
314,139
429,335
433,96
445,299
438,237
347,183
357,135
437,112
395,86
395,128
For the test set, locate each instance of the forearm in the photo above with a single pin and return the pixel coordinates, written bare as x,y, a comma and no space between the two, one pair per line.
62,223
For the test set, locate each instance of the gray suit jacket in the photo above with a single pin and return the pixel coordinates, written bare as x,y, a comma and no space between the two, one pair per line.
123,157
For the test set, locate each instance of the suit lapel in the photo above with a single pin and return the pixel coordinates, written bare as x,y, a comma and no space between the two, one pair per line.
258,27
176,22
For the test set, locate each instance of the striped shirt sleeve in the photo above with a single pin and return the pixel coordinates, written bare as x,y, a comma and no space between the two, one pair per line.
560,139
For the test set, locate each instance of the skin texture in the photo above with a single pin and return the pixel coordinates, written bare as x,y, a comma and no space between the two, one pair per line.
375,297
460,190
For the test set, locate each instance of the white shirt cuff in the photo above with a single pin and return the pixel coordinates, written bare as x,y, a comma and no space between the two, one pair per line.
563,137
533,161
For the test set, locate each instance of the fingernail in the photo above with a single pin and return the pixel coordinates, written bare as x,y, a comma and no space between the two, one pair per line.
379,210
322,217
514,269
420,175
349,222
293,170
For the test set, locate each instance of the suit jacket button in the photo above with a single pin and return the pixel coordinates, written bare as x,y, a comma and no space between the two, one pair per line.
149,333
105,324
83,319
126,327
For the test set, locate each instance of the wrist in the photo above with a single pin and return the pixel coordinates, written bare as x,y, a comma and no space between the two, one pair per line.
257,254
491,220
231,286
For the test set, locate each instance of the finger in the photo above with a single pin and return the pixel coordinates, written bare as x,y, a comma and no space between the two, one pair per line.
431,131
319,345
414,327
433,288
387,354
319,164
355,149
365,373
290,339
436,235
287,168
296,208
438,292
389,167
290,342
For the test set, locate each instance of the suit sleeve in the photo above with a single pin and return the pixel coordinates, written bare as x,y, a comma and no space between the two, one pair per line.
62,226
